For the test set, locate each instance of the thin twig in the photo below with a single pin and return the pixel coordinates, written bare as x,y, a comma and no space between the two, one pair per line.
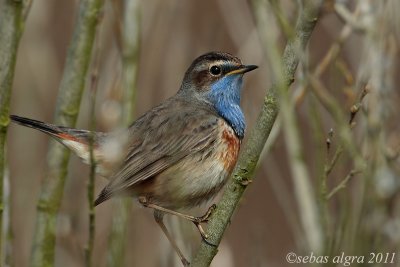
353,111
343,68
356,107
329,166
92,175
342,184
92,127
331,105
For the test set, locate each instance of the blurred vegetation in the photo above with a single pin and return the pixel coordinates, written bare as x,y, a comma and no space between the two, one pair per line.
327,180
12,19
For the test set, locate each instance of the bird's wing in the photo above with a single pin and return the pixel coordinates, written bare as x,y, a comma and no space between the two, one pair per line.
164,141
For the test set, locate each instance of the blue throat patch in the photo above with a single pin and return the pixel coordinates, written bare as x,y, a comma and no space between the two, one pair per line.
225,96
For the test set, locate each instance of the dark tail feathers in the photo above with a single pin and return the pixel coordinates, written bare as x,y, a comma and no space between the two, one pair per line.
41,126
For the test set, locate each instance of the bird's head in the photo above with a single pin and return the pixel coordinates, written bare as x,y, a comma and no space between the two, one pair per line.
217,78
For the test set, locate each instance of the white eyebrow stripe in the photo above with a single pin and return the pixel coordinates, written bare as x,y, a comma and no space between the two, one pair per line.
216,63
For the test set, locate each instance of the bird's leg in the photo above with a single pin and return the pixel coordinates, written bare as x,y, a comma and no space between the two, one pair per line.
195,220
158,216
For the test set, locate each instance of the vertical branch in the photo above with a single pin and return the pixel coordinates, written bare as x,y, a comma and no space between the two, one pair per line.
90,189
249,155
130,51
68,103
11,28
92,175
130,55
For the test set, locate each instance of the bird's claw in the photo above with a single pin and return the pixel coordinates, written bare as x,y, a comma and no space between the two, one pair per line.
206,216
208,242
204,236
204,219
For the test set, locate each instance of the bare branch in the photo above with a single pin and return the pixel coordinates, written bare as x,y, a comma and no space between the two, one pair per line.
342,184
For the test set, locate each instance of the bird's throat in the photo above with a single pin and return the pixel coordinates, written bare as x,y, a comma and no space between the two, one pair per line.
234,117
225,96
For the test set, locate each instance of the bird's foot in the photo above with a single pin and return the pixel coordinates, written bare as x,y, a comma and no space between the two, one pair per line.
143,200
206,216
204,219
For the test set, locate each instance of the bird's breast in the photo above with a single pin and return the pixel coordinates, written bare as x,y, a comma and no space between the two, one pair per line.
199,176
229,148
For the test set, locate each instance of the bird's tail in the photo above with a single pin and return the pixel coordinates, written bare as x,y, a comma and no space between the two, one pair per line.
76,140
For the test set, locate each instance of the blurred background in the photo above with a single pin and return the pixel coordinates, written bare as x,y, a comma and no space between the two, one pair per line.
361,217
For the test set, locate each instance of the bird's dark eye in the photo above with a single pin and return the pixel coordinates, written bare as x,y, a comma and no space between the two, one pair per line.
215,70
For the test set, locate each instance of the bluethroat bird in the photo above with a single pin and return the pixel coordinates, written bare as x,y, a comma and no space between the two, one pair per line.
180,153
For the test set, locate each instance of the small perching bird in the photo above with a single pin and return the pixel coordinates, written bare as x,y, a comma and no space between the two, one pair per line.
177,155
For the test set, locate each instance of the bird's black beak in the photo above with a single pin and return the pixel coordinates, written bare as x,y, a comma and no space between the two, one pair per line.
243,69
